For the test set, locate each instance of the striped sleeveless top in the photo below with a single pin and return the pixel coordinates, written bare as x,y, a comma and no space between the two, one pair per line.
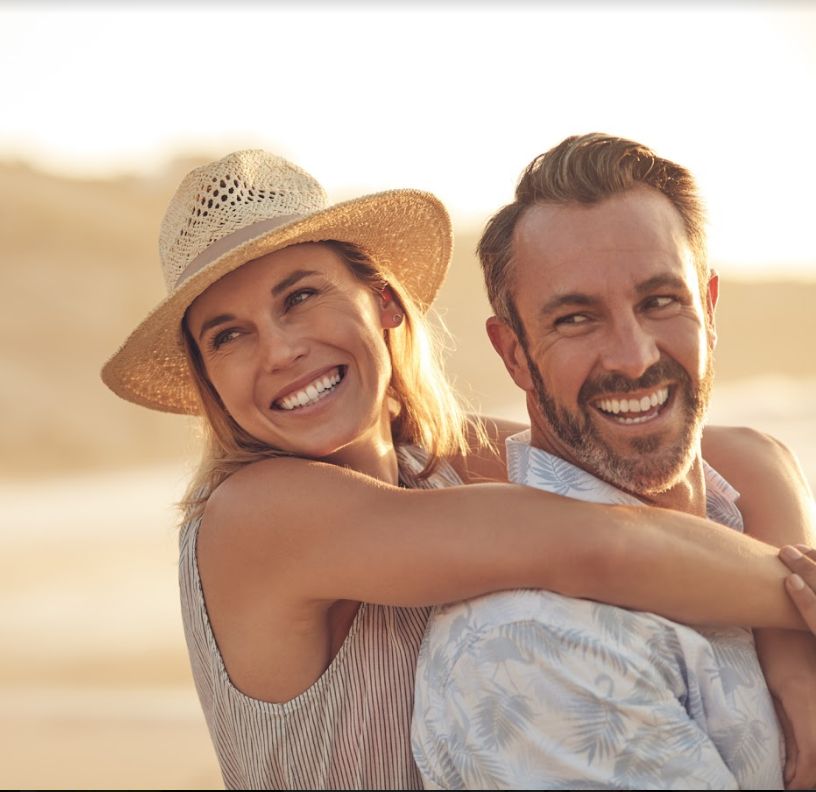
351,728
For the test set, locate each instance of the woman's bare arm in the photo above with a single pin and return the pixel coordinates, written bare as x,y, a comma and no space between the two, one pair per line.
775,500
366,541
777,507
801,584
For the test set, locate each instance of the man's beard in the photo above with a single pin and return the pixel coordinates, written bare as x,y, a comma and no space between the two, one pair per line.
643,472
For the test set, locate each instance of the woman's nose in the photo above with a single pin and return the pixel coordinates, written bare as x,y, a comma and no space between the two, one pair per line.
280,347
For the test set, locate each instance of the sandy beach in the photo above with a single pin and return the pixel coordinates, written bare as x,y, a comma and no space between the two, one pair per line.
94,680
91,739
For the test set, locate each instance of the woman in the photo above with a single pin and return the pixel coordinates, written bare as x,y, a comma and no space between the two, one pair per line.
802,582
326,516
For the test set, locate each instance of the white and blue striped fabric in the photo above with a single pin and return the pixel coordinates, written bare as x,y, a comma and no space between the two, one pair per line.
351,728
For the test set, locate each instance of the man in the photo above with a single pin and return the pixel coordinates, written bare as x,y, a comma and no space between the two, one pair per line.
604,317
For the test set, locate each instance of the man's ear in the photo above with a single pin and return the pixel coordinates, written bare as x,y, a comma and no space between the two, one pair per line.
712,295
506,343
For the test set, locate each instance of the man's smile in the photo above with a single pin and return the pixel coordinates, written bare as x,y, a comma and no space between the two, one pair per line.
633,408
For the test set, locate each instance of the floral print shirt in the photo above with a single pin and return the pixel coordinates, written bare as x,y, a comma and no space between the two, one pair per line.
530,689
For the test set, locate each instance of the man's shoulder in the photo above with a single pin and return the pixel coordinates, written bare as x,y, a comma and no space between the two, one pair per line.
478,625
473,616
498,627
456,628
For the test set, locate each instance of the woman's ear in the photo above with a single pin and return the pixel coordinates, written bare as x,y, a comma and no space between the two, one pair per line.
387,296
391,313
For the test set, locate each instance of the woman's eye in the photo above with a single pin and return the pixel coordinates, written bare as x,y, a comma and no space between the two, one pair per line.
297,297
223,337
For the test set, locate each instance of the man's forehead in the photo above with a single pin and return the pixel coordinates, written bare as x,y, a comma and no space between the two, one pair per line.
639,219
617,248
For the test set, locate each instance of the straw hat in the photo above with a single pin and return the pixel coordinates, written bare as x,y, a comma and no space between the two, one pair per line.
244,206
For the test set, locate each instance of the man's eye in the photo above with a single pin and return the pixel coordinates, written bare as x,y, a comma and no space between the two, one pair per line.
297,297
572,320
660,302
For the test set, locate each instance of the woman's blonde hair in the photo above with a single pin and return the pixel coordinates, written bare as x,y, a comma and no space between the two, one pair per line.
426,411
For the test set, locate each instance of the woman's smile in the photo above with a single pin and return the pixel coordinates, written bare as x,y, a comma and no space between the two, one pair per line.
318,389
295,332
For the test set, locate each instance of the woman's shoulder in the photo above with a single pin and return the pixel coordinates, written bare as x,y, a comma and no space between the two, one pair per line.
250,486
282,476
290,503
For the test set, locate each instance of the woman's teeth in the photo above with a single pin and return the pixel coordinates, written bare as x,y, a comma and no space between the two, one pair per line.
626,406
312,393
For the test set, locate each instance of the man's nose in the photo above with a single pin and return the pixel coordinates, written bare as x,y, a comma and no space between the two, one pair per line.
279,346
629,348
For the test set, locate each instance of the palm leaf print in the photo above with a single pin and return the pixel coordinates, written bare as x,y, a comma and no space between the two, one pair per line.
501,718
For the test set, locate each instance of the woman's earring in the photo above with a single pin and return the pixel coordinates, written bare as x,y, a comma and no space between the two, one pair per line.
397,319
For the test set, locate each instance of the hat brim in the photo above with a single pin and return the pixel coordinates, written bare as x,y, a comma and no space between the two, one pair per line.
407,232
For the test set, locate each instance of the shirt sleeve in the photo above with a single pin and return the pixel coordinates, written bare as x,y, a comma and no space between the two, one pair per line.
531,705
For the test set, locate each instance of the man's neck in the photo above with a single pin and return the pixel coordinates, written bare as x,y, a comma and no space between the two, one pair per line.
687,495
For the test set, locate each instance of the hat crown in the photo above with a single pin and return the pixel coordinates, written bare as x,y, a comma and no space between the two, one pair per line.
224,196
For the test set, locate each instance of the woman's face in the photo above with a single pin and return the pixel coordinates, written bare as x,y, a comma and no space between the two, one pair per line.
293,344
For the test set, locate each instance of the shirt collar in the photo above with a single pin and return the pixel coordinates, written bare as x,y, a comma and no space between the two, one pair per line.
538,468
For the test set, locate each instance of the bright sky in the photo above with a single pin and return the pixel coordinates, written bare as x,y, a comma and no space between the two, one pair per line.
454,98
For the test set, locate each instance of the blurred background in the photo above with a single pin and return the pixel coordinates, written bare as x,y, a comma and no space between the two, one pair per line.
104,108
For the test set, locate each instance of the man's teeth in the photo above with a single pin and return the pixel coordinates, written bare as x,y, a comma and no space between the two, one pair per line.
313,392
643,404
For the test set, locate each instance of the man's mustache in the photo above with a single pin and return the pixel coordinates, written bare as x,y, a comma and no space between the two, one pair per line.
663,370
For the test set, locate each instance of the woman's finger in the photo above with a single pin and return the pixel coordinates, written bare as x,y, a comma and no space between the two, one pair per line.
803,564
804,598
810,552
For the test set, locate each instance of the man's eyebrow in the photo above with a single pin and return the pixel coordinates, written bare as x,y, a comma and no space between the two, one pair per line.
562,300
291,280
663,281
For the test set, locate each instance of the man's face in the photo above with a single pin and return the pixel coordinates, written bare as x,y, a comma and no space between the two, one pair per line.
617,361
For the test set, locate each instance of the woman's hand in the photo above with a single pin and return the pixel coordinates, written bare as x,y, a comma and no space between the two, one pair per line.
801,585
789,660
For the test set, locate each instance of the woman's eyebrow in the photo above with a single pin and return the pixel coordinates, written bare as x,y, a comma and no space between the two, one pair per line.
288,281
291,280
216,320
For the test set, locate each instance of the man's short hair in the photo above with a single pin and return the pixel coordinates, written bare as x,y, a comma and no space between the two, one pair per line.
586,169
